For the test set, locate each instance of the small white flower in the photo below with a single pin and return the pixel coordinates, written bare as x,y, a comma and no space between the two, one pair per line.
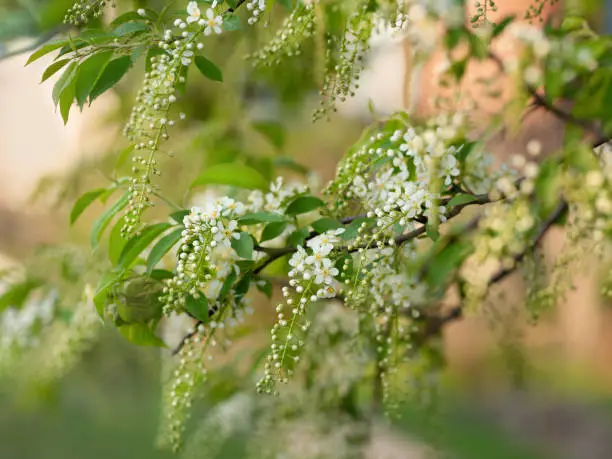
325,273
193,11
298,260
141,12
214,22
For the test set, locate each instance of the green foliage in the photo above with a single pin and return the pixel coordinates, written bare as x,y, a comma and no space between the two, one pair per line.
382,241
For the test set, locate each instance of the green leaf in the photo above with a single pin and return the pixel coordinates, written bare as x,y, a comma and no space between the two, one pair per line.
260,217
325,224
161,274
446,261
123,156
103,220
197,307
113,72
274,132
288,4
179,216
303,204
63,82
272,230
432,232
65,101
116,242
237,175
130,27
352,230
141,335
265,287
83,203
547,185
231,22
54,68
298,237
162,247
208,69
242,286
243,246
501,25
227,285
288,163
461,198
139,242
45,49
88,74
105,284
16,294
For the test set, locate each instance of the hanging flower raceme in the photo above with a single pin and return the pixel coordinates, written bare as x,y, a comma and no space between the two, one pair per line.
312,278
151,117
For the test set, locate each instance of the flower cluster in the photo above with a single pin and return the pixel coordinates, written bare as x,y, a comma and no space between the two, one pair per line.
502,237
207,238
312,277
413,165
345,60
276,199
182,384
297,28
83,11
256,9
150,118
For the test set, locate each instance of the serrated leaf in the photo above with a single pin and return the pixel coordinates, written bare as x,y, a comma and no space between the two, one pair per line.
162,247
260,217
139,242
53,69
208,69
103,220
325,224
197,307
272,230
232,174
274,132
44,50
83,203
461,198
88,74
243,246
303,204
113,72
141,335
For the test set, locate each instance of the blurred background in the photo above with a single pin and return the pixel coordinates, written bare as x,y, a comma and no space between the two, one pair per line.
515,390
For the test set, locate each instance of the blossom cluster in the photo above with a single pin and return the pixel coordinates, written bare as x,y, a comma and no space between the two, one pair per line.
206,241
412,166
296,28
312,277
150,119
83,11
